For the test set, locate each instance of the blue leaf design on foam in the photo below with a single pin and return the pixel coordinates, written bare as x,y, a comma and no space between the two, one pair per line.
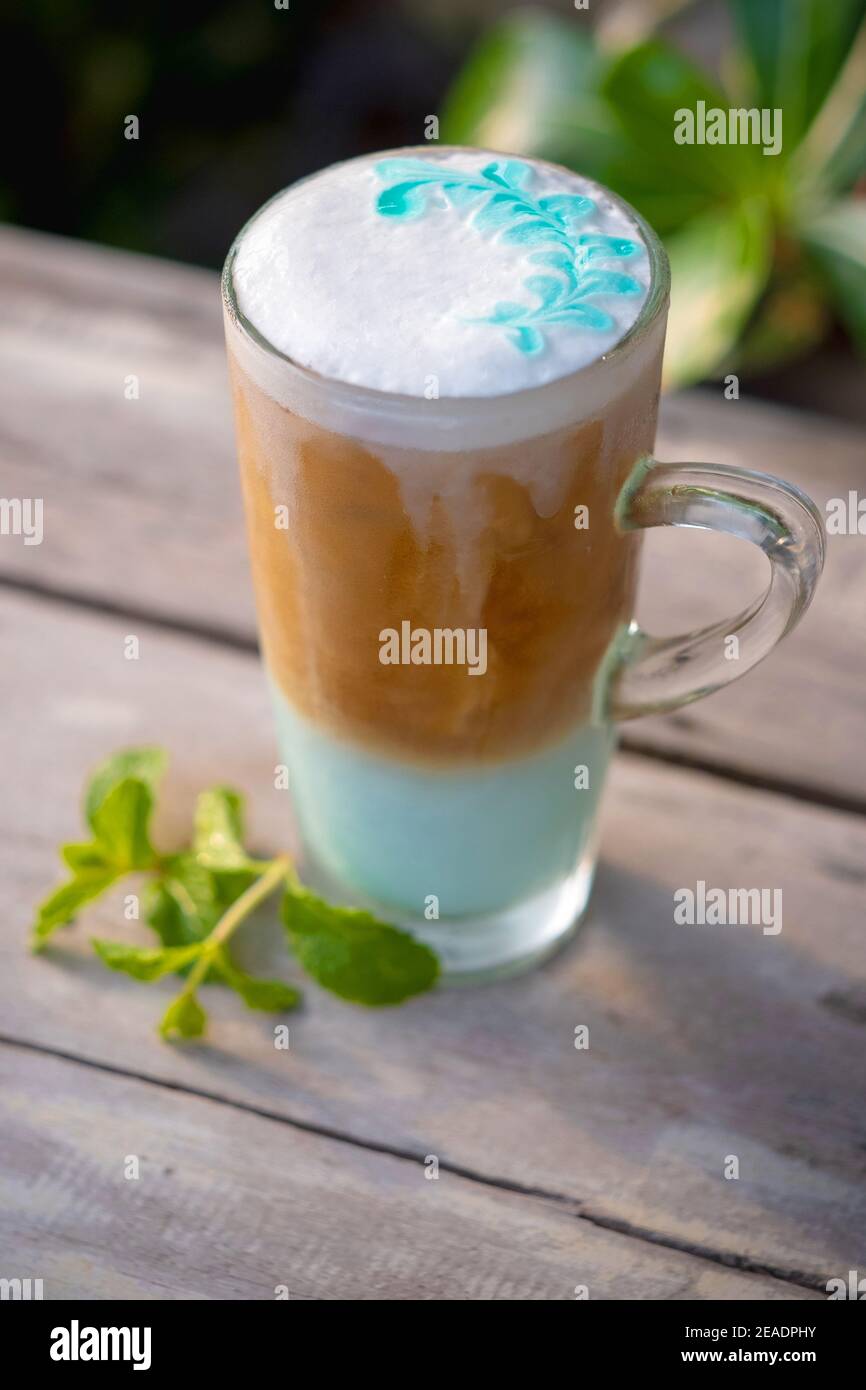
608,282
462,194
560,260
504,311
403,200
563,261
493,172
587,315
595,245
496,212
526,339
547,287
509,172
531,232
417,179
516,173
505,208
567,205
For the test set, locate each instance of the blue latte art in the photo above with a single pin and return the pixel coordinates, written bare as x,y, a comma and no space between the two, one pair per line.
500,204
443,271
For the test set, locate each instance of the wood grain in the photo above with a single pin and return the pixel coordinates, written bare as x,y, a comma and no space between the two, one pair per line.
143,510
232,1206
704,1042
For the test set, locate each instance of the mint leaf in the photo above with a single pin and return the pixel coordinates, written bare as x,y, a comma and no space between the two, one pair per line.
141,764
185,903
219,829
117,805
62,905
121,825
81,857
182,904
272,996
143,963
355,956
230,884
184,1017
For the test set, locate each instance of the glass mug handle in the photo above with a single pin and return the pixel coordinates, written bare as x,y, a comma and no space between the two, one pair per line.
654,674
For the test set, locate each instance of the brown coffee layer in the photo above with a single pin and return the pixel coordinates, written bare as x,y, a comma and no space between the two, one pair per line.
485,539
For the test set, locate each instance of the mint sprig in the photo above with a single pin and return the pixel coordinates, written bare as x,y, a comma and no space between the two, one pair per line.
196,899
143,963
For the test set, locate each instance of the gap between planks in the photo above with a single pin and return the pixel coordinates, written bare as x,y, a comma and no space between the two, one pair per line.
580,1211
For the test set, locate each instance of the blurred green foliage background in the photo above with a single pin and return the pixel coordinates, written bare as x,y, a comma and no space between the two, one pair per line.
237,98
765,249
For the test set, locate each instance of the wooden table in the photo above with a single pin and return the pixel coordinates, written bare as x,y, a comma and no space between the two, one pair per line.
306,1168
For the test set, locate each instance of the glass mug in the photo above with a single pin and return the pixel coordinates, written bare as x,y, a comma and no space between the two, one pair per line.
445,590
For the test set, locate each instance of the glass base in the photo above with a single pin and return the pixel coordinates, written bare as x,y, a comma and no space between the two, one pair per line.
480,949
477,949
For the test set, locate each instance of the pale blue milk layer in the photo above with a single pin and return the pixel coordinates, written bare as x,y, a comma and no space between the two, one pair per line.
480,839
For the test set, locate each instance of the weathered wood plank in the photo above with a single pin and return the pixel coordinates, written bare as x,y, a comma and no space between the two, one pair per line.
143,510
704,1042
123,481
232,1206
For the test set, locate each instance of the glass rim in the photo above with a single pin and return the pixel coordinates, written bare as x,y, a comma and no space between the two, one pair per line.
373,397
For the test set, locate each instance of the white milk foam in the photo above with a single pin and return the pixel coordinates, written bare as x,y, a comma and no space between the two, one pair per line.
444,290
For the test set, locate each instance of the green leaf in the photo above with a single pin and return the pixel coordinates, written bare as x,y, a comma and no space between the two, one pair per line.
845,162
229,884
184,1017
182,905
219,829
833,154
666,181
532,86
795,49
62,905
165,915
355,956
719,267
121,823
117,805
836,240
141,764
793,318
82,856
185,903
272,996
143,963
